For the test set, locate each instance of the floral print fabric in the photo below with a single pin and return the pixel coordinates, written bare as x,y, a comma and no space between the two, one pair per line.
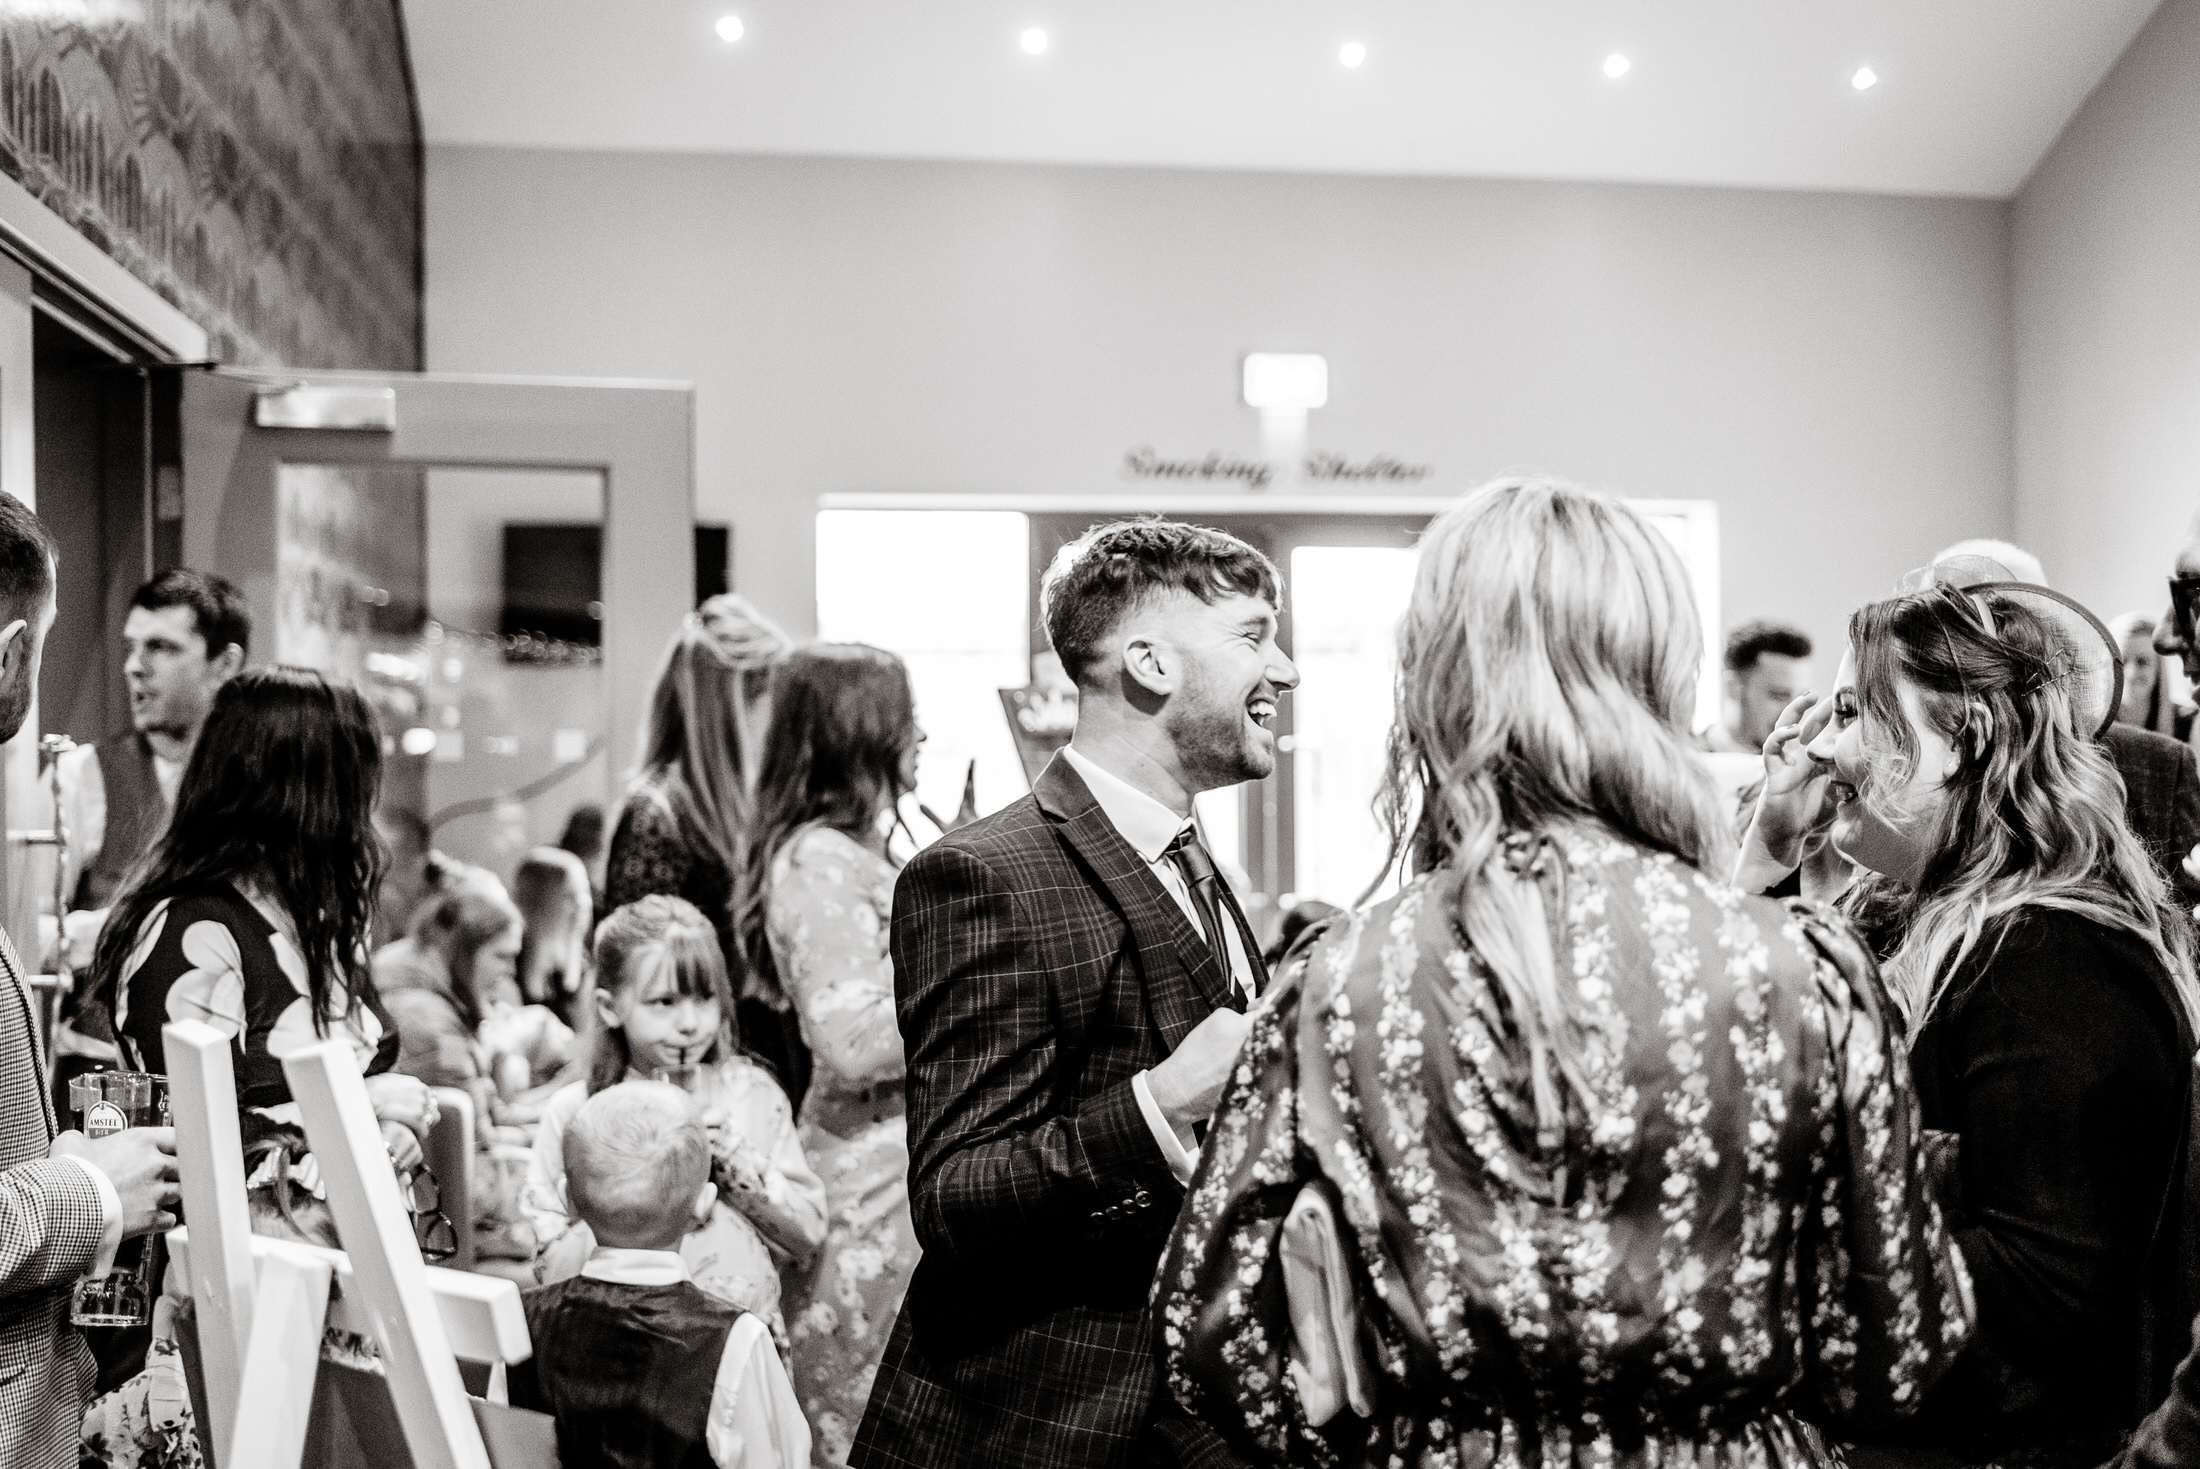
1729,1259
827,917
217,957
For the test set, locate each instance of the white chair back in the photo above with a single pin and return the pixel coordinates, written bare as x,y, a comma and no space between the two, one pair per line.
391,1277
202,1099
263,1304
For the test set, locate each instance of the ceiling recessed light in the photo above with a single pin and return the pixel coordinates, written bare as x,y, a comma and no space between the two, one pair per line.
730,28
1865,79
1616,66
1351,53
1034,42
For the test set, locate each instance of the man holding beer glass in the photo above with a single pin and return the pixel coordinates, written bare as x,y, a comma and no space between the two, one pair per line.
66,1201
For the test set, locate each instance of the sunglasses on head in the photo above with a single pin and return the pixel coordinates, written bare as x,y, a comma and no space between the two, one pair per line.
2184,603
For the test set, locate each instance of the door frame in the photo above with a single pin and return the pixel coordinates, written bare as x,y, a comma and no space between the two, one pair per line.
638,435
48,266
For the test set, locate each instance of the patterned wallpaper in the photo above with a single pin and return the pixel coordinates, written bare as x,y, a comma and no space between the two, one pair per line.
255,161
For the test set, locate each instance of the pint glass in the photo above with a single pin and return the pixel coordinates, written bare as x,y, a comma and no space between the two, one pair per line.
104,1103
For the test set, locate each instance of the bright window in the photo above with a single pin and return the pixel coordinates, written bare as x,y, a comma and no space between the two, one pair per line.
948,590
1345,605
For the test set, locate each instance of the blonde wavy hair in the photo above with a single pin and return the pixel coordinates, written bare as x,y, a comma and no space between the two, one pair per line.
2034,813
1547,670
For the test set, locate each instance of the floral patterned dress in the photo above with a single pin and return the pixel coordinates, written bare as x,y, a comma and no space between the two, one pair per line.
827,917
1729,1259
219,956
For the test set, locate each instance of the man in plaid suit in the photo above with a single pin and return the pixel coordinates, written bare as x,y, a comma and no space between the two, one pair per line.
65,1203
1071,975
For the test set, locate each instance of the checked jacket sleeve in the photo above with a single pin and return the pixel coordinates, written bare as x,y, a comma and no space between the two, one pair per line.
52,1225
996,1159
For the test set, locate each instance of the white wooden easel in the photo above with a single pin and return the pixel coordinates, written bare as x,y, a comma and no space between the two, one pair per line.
263,1303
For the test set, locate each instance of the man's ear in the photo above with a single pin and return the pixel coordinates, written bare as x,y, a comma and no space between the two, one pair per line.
228,660
14,641
1150,665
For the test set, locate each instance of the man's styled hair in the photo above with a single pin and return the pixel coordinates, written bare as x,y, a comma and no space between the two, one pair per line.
26,561
217,606
636,1156
1753,640
1101,576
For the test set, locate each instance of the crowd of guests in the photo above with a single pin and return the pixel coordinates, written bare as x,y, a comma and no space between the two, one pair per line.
1835,1115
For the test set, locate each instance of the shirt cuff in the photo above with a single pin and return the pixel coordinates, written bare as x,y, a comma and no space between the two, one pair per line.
1181,1151
110,1214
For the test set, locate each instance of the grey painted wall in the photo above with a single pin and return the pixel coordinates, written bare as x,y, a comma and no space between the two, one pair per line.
1833,370
2106,275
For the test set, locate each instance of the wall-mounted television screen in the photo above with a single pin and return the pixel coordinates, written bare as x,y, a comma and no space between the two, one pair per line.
553,580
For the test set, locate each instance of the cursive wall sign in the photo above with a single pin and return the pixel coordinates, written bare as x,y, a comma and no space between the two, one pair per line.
1143,463
1321,466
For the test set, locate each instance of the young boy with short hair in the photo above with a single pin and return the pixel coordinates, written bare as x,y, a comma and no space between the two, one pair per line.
637,1364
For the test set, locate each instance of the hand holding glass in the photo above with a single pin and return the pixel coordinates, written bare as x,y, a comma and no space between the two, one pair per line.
105,1103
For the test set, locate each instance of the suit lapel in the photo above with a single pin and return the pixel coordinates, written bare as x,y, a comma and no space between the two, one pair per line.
1184,977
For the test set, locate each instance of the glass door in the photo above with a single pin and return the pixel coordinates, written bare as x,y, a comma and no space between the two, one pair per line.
496,564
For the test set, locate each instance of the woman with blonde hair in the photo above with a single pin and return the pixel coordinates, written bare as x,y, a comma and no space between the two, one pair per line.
1568,1153
2047,975
684,827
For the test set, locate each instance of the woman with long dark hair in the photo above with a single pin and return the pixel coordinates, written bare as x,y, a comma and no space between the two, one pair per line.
2047,974
1569,1153
252,913
839,753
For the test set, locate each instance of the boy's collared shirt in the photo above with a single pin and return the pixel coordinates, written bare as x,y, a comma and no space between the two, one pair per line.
754,1422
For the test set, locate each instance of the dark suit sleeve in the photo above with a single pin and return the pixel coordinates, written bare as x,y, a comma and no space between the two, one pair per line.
2184,825
993,1159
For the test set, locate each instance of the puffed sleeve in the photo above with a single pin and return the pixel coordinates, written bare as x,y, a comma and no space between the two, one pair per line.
543,1197
1886,1302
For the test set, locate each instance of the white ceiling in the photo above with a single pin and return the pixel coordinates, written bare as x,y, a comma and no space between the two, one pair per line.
1739,92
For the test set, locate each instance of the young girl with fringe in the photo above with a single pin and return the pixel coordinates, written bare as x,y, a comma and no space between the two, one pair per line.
664,1012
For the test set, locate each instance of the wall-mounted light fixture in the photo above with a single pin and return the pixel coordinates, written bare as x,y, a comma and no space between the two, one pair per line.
1285,387
1288,382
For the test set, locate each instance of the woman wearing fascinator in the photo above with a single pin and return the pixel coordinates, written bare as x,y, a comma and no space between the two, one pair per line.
1570,1154
2046,974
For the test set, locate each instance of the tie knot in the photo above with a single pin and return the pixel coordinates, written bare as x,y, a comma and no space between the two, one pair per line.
1191,856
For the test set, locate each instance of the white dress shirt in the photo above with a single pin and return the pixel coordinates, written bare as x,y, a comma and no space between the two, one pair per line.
754,1422
1150,828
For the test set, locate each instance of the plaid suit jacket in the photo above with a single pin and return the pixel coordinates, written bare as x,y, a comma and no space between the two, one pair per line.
2161,797
50,1229
1038,966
